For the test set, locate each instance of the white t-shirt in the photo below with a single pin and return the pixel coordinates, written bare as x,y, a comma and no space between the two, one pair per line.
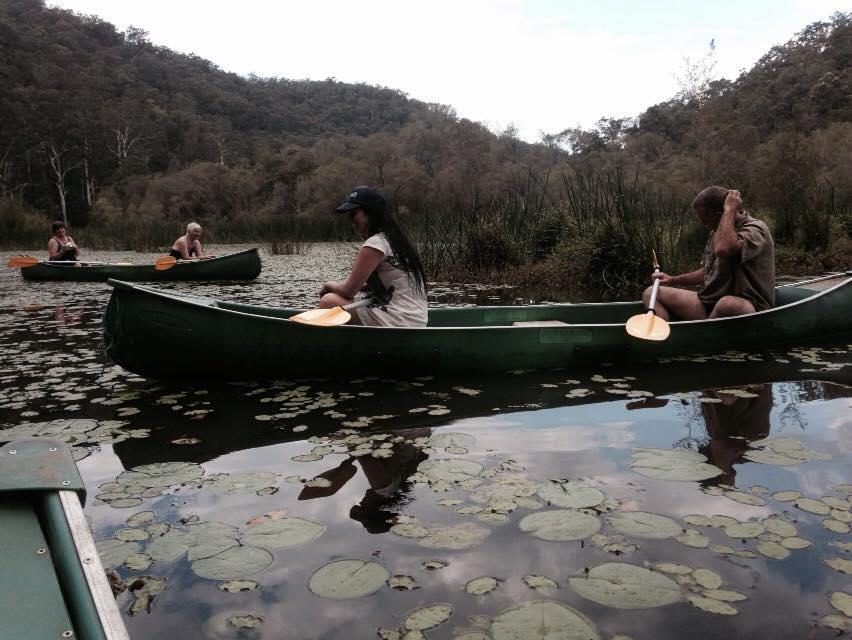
408,305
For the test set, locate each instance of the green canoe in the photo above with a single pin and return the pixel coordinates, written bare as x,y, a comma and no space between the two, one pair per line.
147,332
53,584
244,265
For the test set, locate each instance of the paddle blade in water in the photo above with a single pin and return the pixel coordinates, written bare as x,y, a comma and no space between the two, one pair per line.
22,261
648,326
323,317
165,262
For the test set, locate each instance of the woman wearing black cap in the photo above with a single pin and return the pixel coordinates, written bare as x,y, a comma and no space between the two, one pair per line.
387,266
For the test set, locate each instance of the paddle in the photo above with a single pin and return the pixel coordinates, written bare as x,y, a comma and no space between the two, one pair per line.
21,262
165,262
330,317
647,326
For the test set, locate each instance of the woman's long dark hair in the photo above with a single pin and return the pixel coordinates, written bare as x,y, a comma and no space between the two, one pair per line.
379,220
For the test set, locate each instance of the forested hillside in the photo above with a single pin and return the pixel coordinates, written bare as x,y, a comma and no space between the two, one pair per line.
132,140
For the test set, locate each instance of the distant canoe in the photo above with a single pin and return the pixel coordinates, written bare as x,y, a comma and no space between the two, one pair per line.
146,331
244,265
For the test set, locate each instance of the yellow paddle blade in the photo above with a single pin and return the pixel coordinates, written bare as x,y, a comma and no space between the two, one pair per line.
165,262
648,326
323,317
22,261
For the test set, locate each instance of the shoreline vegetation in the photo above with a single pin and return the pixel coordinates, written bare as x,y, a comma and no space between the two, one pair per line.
130,141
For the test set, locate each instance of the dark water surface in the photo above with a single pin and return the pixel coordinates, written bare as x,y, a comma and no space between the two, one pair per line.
395,473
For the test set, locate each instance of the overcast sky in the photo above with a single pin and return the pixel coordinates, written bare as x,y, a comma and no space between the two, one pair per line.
542,65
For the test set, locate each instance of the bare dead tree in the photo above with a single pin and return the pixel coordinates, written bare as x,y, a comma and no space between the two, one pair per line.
60,164
125,140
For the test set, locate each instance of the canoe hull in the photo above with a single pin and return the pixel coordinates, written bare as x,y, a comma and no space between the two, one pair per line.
147,331
244,265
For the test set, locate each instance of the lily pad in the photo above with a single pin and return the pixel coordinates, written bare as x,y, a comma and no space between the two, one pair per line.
542,620
285,532
540,582
144,589
812,505
245,621
564,524
643,524
450,470
712,605
235,586
839,564
571,495
707,579
428,617
138,561
841,601
672,464
460,536
402,583
114,552
480,586
345,579
725,595
626,586
236,562
772,550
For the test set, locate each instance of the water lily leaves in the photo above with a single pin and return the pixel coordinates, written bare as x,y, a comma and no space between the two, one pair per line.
480,586
781,451
613,544
433,565
540,582
626,586
143,517
812,505
725,595
672,464
449,470
160,474
772,550
168,547
206,539
542,620
402,583
841,601
241,482
707,579
779,526
693,538
344,579
235,586
560,525
245,621
786,496
643,525
835,525
794,542
285,532
460,536
130,534
745,498
236,562
712,605
409,530
428,617
138,561
747,529
144,589
571,495
451,439
841,623
674,568
839,564
113,552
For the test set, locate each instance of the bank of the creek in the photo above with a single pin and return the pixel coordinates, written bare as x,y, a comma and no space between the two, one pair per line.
709,497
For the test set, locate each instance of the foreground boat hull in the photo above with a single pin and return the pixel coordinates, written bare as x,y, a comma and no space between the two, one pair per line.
147,331
244,265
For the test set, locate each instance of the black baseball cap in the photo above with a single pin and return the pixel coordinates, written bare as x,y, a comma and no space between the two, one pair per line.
362,198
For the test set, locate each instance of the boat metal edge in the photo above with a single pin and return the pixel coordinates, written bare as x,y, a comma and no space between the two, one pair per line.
93,570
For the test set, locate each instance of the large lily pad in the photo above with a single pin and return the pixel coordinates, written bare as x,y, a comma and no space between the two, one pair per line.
114,552
571,495
428,617
236,562
450,470
344,579
672,464
542,620
460,536
626,586
286,532
563,524
643,524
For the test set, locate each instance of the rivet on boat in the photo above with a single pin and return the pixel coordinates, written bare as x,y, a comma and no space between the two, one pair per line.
41,551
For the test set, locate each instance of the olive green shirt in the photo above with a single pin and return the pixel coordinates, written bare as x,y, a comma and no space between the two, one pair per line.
749,275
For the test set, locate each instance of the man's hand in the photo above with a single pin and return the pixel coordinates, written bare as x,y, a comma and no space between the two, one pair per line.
665,279
733,201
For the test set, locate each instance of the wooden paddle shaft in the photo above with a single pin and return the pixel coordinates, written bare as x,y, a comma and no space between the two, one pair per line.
653,302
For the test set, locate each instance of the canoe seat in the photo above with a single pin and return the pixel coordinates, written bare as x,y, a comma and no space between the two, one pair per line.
539,323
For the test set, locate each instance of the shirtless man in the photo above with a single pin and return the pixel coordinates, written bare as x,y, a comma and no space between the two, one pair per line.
737,275
188,246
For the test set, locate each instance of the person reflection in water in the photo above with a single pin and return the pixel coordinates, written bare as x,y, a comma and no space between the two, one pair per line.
387,478
732,421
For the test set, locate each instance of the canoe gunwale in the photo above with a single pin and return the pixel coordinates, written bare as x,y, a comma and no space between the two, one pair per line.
211,303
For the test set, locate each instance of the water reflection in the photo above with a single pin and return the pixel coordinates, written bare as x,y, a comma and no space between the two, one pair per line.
733,418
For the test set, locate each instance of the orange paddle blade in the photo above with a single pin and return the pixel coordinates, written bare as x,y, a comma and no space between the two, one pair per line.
18,262
323,317
165,262
647,326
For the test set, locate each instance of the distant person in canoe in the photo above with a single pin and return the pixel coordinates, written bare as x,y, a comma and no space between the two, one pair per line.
188,246
737,275
61,247
387,267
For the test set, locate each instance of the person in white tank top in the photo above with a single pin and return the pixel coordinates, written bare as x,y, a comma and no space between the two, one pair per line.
387,267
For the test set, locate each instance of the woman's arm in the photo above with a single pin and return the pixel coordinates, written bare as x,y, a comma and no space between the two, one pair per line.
366,262
53,242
